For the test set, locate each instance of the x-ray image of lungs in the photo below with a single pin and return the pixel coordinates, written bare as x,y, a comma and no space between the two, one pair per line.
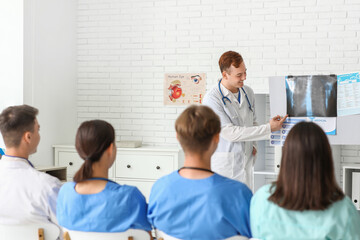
311,96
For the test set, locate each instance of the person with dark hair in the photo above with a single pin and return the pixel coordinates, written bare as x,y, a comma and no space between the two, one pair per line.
194,202
27,195
305,202
94,203
235,104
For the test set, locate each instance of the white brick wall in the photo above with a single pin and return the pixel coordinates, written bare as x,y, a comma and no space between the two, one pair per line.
125,47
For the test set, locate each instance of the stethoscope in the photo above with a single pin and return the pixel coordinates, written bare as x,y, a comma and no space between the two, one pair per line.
226,98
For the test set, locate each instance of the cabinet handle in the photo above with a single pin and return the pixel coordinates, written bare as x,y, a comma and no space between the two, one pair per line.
355,201
278,166
157,167
70,163
128,166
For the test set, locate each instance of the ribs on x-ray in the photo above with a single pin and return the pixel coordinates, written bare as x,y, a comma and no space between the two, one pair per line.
311,96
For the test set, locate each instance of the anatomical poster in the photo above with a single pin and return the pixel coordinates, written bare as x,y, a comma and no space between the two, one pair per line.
184,88
348,102
311,96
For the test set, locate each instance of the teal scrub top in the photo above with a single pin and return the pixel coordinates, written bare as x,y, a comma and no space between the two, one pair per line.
268,221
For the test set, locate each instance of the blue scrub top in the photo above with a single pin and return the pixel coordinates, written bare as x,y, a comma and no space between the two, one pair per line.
212,208
115,209
271,222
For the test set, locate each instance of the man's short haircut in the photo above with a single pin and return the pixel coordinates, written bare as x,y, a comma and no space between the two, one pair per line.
195,127
229,58
15,121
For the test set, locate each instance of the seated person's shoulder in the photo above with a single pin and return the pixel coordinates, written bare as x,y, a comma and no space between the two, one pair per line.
265,191
228,187
345,206
261,196
231,183
68,186
44,178
43,183
169,179
118,189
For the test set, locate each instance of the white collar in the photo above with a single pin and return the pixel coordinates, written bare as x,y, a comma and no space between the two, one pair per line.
14,159
226,92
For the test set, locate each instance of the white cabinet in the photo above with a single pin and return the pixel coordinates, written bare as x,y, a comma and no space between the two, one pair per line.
351,183
266,170
143,166
139,167
66,155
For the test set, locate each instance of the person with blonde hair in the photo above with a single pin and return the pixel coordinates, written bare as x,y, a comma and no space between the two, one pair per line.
194,202
305,202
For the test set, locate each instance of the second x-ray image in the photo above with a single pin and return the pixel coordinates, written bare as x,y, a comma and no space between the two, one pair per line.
311,96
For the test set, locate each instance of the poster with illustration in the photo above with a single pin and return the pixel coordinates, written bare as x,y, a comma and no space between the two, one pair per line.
184,88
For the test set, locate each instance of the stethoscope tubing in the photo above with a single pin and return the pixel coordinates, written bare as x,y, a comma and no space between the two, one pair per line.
226,98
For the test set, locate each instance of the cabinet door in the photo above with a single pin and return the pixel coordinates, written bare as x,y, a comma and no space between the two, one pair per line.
355,195
143,186
144,166
72,161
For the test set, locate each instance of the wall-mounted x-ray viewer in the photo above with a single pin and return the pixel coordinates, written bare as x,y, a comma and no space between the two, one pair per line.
311,96
347,127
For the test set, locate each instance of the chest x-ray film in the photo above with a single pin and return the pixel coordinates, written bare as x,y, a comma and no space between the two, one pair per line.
311,96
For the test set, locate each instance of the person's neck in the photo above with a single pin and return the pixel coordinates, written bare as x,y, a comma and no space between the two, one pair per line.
99,170
17,152
230,88
196,161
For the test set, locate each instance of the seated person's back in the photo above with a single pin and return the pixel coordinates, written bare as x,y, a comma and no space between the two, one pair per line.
27,195
93,202
305,202
194,202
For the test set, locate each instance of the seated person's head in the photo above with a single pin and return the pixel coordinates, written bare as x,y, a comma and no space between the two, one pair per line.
196,128
94,139
20,128
306,179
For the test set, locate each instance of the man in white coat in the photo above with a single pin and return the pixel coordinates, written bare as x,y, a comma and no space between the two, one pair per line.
27,195
235,104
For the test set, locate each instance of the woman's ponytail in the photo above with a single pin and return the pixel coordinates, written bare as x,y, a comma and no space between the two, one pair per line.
92,139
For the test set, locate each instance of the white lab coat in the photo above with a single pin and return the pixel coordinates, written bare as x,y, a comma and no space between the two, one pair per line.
26,195
233,157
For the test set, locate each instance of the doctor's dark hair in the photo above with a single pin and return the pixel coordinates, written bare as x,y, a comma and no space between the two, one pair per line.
229,58
306,179
15,121
92,139
195,128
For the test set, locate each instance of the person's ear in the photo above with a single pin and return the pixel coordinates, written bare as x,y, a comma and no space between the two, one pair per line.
27,137
217,138
110,149
224,76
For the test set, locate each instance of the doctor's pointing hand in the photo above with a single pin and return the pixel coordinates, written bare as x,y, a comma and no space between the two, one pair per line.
235,104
